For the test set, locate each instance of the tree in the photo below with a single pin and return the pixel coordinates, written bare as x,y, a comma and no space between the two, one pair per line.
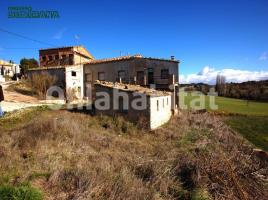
220,84
26,64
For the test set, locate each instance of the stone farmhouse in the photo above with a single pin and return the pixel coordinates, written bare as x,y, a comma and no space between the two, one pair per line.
133,70
75,68
77,71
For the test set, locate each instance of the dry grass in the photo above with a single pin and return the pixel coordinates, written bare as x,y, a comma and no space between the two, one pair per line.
77,156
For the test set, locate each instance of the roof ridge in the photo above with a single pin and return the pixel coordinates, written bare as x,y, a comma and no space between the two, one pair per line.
132,88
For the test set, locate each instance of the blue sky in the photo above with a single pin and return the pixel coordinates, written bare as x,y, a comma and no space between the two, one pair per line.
206,36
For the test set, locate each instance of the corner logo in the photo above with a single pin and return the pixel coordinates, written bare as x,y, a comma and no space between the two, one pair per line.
28,12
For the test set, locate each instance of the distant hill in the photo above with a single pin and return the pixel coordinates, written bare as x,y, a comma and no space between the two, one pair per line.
250,90
202,87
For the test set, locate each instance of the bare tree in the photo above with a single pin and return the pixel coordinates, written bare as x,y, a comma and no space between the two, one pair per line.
220,84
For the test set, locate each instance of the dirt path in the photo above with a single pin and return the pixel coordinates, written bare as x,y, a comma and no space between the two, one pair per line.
15,101
12,96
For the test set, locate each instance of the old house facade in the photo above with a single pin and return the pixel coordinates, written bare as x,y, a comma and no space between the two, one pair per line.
160,73
77,70
64,56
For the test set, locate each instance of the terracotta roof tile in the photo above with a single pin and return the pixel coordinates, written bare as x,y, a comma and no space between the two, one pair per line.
121,58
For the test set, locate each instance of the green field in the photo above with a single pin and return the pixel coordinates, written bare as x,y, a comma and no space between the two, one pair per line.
251,119
253,128
230,105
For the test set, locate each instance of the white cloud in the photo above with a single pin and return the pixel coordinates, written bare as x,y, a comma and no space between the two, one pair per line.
208,75
77,37
206,70
263,56
59,34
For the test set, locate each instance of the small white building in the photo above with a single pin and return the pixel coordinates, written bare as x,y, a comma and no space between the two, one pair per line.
8,68
74,81
135,102
160,110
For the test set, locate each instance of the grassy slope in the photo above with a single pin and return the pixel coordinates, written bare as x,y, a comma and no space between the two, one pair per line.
254,129
251,121
72,155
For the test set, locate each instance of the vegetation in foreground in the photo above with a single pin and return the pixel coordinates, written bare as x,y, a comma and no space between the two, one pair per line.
230,105
75,156
23,192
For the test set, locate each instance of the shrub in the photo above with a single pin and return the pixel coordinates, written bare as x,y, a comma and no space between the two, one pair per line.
117,123
8,192
40,83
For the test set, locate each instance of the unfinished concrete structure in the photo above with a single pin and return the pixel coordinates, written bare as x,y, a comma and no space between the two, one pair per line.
64,56
135,102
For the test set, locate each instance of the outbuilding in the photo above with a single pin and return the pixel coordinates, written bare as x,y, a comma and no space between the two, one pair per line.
135,102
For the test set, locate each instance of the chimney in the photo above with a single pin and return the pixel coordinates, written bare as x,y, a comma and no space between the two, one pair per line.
172,57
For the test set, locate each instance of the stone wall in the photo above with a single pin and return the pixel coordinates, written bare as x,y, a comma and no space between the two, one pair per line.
130,113
59,73
156,112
